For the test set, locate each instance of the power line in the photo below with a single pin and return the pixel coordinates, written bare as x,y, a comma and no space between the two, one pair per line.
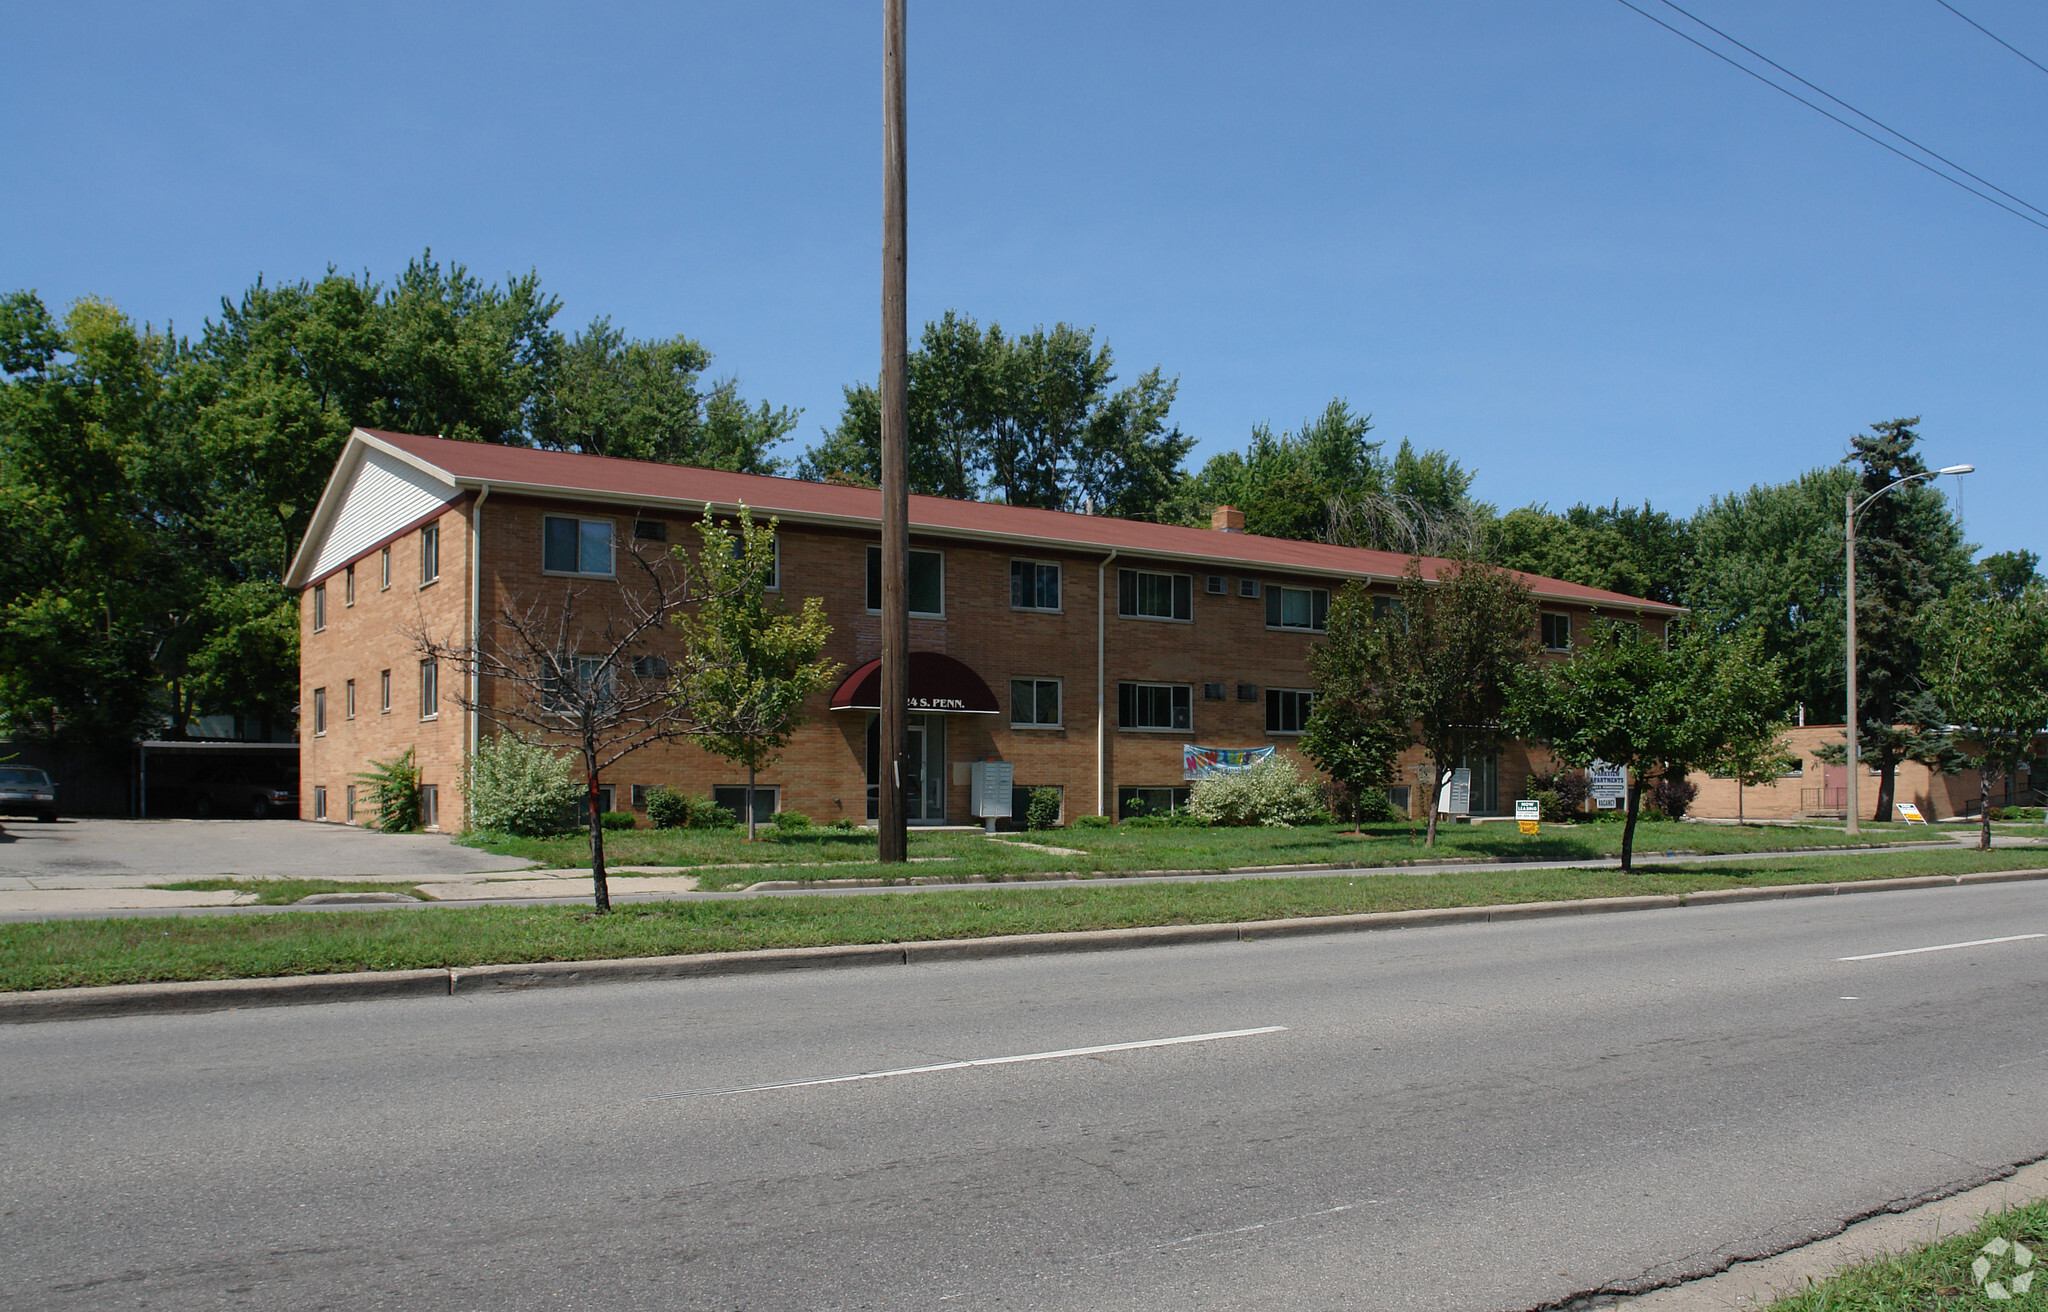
1823,112
1993,35
1853,110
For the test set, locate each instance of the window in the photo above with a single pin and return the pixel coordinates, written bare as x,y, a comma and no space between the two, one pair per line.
1384,608
735,801
320,711
430,554
604,799
348,586
1247,692
650,530
430,690
320,609
1397,797
1298,608
384,557
1217,585
927,591
650,667
1248,588
430,806
640,792
349,803
1557,632
576,546
1154,706
383,692
1141,594
1287,709
596,674
1035,703
320,801
348,699
739,544
1212,692
1149,801
1034,585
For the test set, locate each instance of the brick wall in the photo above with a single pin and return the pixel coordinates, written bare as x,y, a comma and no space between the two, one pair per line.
823,772
363,640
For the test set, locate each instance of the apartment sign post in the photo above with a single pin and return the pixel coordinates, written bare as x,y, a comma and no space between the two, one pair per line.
893,839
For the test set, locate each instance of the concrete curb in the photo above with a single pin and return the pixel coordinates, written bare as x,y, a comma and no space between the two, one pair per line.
216,995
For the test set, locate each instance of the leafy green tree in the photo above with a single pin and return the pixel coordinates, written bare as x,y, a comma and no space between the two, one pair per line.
749,664
1771,558
1031,419
82,592
1634,550
1438,673
1359,723
1988,667
2008,574
1659,708
608,395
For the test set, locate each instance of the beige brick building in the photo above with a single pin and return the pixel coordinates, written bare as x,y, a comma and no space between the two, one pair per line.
1084,650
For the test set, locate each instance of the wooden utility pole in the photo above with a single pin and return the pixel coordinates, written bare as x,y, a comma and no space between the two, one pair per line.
895,690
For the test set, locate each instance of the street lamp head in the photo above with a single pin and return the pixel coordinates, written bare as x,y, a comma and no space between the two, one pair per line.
1958,469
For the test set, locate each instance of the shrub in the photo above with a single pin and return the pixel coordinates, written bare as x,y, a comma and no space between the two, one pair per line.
846,824
616,819
1043,810
1271,793
790,822
519,788
1090,822
395,792
1568,792
669,809
1372,807
1670,797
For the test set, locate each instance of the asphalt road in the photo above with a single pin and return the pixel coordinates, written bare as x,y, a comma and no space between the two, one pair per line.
1489,1116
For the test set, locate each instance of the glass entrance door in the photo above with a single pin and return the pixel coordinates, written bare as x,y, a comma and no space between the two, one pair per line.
924,770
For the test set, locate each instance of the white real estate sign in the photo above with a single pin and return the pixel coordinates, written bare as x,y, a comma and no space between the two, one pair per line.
1607,784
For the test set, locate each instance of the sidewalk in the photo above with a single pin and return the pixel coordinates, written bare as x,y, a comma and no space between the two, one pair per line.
500,881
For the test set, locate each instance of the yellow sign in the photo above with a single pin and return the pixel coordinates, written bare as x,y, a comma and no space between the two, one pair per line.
1529,826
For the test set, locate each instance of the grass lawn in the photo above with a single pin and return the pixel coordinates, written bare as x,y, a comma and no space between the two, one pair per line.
54,954
813,853
1940,1275
284,892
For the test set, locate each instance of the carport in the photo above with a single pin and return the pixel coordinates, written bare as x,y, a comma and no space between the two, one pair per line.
166,771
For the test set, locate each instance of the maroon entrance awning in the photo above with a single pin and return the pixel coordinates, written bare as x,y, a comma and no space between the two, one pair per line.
937,683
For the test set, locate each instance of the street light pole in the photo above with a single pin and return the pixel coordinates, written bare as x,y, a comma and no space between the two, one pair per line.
1851,508
893,838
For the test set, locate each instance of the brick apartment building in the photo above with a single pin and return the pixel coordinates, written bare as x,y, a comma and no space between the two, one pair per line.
1082,649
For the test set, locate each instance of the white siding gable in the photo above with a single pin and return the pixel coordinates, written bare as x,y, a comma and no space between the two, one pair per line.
384,495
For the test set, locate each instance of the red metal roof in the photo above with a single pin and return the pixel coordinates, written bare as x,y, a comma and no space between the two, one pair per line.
647,482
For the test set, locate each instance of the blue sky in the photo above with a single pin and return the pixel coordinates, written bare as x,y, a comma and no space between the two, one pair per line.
1582,256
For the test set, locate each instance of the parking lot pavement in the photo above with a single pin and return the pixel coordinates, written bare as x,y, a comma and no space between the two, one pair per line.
113,854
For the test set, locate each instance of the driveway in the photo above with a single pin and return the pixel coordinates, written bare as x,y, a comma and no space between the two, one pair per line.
88,853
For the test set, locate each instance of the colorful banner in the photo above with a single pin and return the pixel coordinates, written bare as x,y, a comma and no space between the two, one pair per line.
1200,762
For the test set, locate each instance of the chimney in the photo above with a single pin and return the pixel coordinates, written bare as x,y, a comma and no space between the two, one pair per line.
1227,519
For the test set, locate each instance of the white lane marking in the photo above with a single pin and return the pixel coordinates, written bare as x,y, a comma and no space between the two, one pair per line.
1942,947
1097,1050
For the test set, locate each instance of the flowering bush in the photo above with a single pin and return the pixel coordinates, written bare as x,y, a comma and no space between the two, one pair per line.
520,788
1271,793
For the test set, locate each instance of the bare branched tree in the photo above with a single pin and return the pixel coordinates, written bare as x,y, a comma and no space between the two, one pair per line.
584,671
1392,521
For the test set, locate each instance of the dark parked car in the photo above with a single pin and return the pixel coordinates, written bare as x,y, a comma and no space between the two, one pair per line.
25,790
242,788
